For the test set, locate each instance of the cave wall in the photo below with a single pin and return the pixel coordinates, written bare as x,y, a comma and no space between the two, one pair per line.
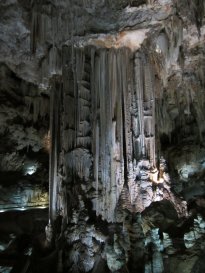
24,142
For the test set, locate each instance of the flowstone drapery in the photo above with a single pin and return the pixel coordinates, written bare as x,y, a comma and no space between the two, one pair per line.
105,123
105,156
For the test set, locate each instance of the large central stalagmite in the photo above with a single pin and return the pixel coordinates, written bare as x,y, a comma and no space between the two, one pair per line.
107,124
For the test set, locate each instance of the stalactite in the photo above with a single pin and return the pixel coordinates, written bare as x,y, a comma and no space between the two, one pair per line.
68,100
37,106
54,60
149,111
34,27
139,97
79,161
55,109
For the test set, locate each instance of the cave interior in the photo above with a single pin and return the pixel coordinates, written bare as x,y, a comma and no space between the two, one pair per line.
102,136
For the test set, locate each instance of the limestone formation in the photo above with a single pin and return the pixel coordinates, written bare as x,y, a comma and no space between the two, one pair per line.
113,93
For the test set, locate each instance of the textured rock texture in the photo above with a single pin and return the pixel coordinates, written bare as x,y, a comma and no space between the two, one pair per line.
127,105
24,115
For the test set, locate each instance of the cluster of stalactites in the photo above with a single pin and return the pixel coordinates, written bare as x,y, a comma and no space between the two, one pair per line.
95,110
46,34
46,23
108,119
55,21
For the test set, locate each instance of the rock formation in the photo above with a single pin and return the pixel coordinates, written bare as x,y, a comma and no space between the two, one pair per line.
125,80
